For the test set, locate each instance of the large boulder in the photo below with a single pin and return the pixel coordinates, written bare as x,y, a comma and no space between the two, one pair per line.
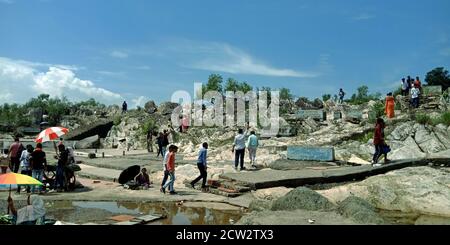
166,108
427,140
443,135
359,210
302,198
402,132
419,190
150,107
408,150
88,143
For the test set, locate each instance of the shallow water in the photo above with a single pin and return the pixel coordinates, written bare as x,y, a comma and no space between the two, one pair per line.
100,212
401,218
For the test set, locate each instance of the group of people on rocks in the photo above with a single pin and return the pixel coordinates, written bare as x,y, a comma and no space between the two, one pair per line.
413,88
33,161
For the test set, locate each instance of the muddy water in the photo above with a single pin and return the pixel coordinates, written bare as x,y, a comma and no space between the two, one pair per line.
81,212
400,218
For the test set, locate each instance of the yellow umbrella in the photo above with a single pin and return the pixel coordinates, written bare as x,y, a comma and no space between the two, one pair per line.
17,179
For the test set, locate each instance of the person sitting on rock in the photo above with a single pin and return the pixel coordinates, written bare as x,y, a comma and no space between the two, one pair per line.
143,179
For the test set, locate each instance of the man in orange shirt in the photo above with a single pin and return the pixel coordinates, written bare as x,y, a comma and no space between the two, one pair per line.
418,84
171,169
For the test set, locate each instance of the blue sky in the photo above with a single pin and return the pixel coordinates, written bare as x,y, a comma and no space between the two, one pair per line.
140,50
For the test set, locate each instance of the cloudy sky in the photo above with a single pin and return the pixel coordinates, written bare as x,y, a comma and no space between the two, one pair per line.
136,50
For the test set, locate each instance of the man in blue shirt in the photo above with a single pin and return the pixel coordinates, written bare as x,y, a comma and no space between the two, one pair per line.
252,145
202,166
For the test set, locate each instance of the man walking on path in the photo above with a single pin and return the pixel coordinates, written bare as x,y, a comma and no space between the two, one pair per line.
239,149
252,145
15,151
202,166
171,169
166,172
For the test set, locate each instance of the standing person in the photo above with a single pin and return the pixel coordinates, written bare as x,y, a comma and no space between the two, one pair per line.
252,145
389,106
405,87
124,107
159,140
415,92
379,143
25,167
171,169
63,160
165,171
202,166
418,84
341,96
165,141
15,151
150,140
239,149
38,164
410,82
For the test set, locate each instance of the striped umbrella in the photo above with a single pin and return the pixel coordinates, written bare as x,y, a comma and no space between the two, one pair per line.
51,134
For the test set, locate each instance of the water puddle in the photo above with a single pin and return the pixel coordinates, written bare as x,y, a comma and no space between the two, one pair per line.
189,213
400,218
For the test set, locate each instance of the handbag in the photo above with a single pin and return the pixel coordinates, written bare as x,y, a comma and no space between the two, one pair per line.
386,149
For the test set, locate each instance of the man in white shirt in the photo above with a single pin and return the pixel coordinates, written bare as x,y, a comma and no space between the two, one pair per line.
415,92
239,149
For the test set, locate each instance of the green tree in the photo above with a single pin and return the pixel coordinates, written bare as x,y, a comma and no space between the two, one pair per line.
326,97
285,94
245,87
438,76
231,85
214,84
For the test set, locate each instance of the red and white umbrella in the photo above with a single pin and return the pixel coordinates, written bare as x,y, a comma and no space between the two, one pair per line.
51,134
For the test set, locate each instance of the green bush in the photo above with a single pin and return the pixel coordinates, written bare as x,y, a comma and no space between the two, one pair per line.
376,112
444,118
117,120
423,119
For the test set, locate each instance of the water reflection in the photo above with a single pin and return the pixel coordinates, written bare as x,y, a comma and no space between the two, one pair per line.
69,211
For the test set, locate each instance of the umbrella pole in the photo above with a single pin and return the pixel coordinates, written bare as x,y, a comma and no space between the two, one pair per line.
56,149
9,196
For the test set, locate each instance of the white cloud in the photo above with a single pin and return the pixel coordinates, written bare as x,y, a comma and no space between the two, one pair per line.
119,54
19,82
364,16
111,73
222,57
140,101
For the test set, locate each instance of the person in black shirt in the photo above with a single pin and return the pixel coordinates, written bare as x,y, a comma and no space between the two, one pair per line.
62,163
38,164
